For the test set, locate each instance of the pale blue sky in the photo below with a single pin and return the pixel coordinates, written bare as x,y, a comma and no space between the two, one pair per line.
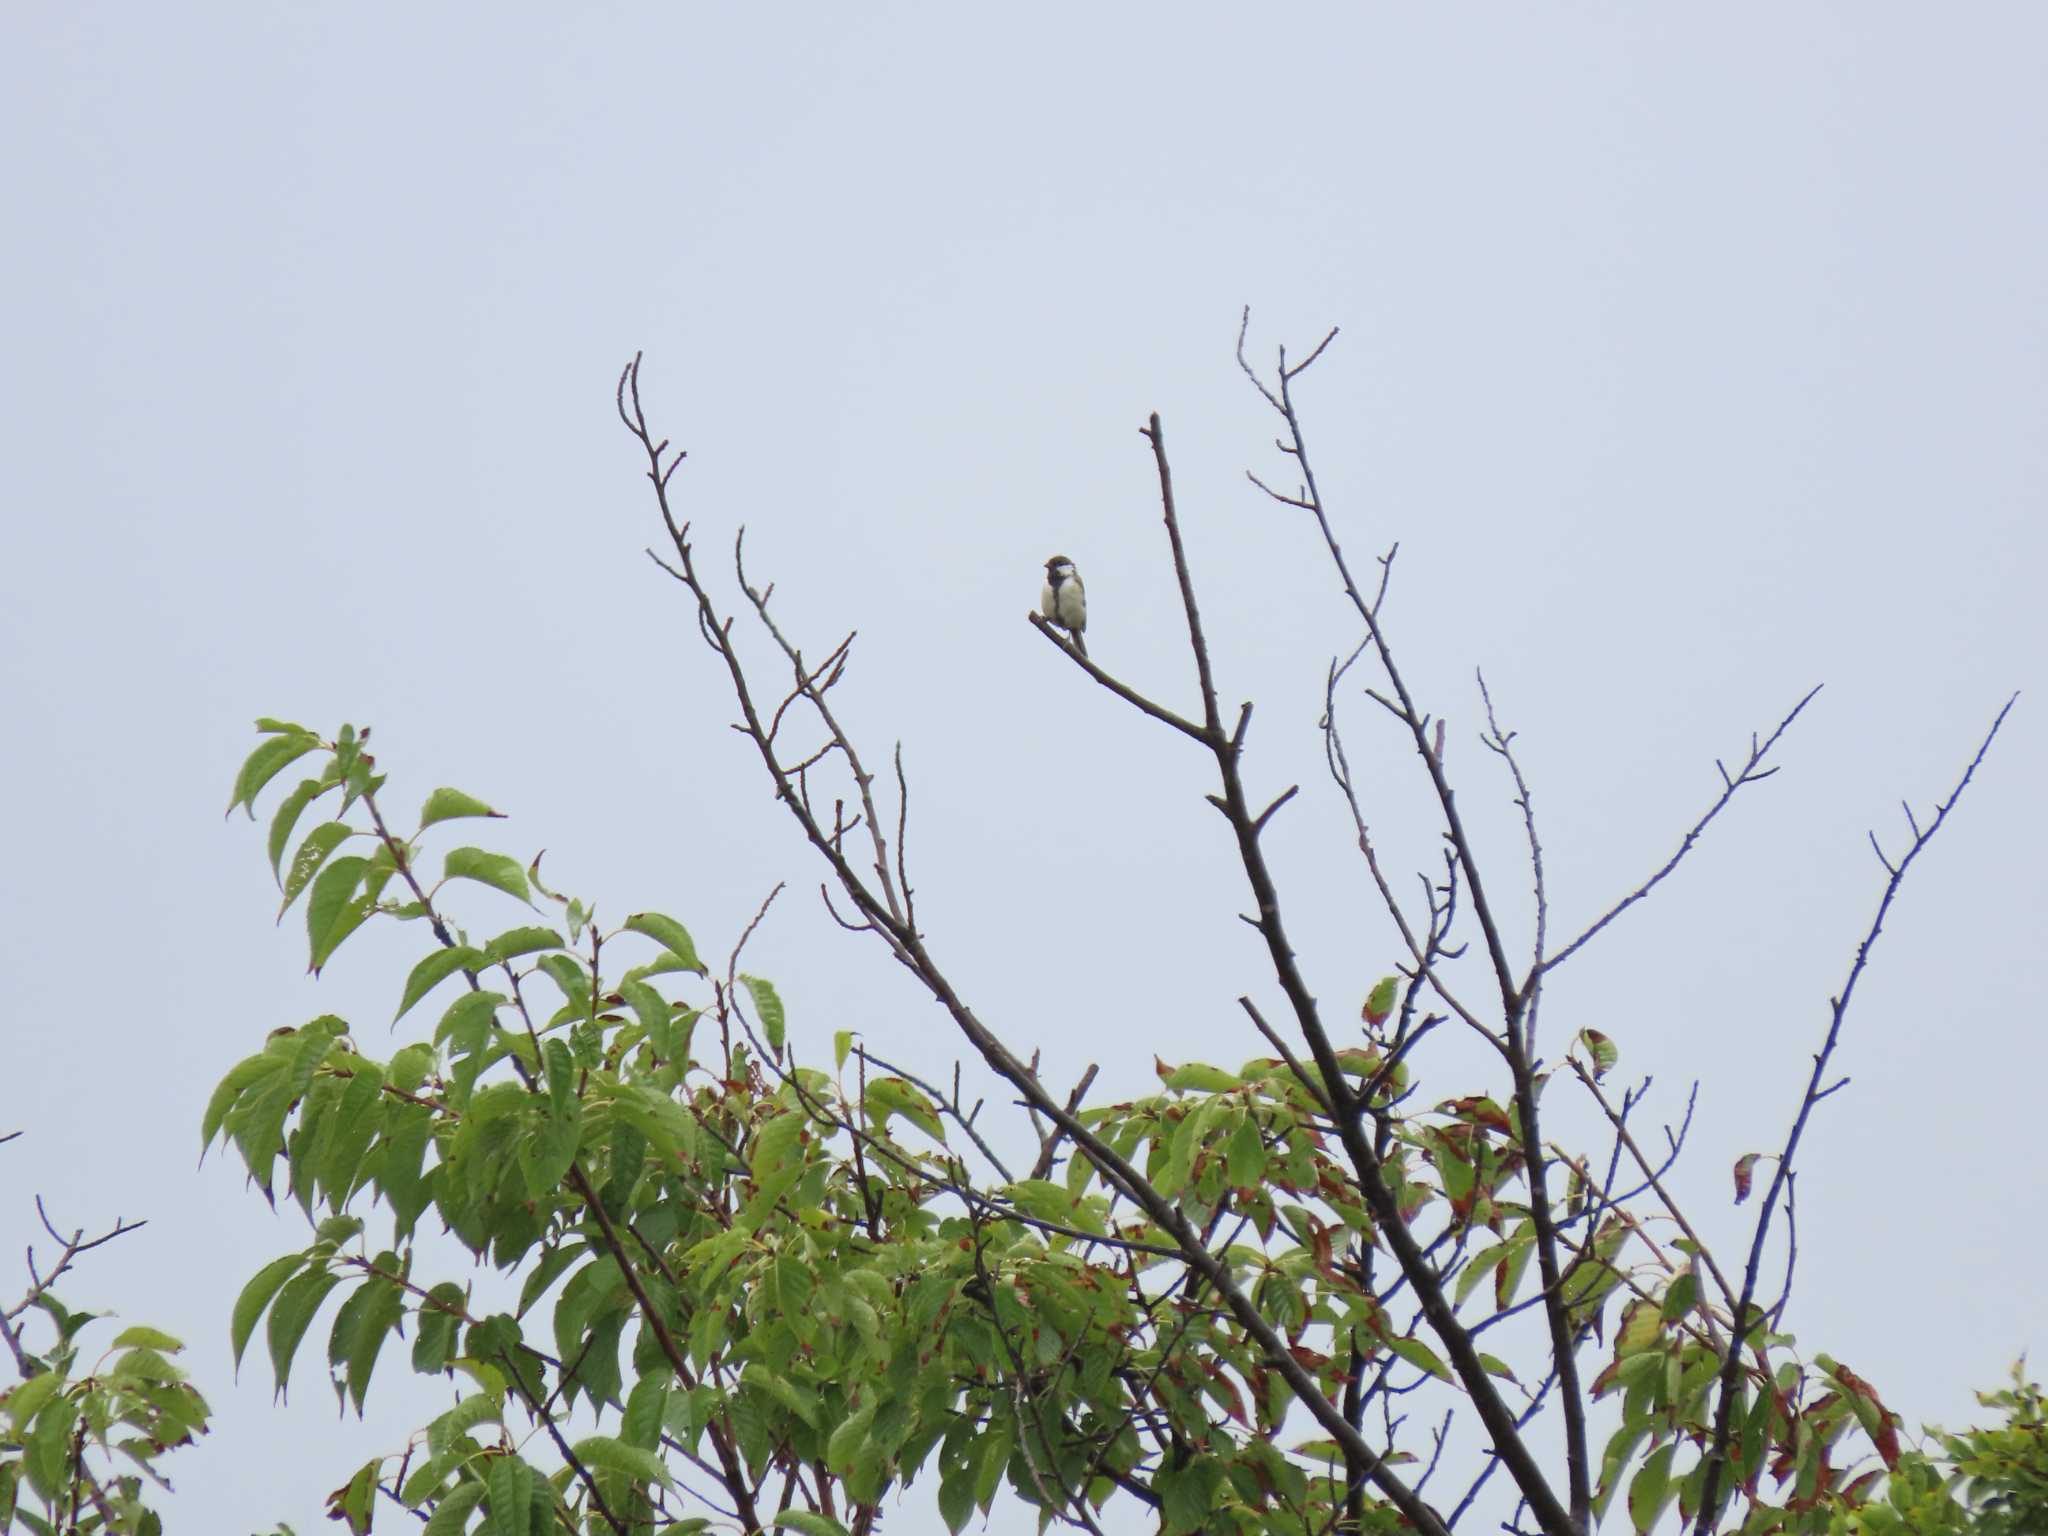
1694,356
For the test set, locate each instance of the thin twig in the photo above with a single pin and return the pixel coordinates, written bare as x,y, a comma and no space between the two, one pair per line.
1724,1419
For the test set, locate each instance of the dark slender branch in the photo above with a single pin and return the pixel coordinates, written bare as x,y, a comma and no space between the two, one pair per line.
1654,1177
909,946
1123,691
1724,1419
1753,772
1049,1141
1516,998
1378,1194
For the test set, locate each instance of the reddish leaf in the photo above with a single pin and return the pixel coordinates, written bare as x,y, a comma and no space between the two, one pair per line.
1378,1003
1745,1171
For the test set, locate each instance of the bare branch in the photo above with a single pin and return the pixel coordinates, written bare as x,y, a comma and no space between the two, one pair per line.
1752,772
1724,1420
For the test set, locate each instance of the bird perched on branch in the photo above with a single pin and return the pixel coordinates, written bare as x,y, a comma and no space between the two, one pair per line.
1063,600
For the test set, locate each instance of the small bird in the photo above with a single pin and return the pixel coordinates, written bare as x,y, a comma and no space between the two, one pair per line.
1063,600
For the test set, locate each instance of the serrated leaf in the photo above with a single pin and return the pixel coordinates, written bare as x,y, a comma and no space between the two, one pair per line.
810,1524
1421,1356
1493,1365
467,1023
670,935
256,1296
383,1305
1679,1299
499,870
610,1455
436,968
1246,1157
888,1096
1650,1490
956,1500
286,817
26,1400
842,1450
522,941
291,1314
769,1007
331,914
451,1514
1196,1077
312,853
568,974
448,804
434,1325
1599,1049
265,763
1379,1003
511,1497
657,1019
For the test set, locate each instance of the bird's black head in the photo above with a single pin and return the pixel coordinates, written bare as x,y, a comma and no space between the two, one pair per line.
1055,562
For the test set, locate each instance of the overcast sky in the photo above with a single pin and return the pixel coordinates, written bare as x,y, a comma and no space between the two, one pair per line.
1693,357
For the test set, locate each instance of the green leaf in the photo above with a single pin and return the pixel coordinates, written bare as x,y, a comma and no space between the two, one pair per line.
433,1343
810,1524
775,1144
286,817
843,1449
993,1457
1421,1356
435,969
1679,1299
331,914
291,1315
1246,1156
956,1500
319,843
448,804
842,1046
1601,1050
522,941
498,870
26,1400
670,935
888,1096
255,1297
1650,1490
1187,1494
47,1448
264,764
511,1497
655,1015
452,1514
609,1455
547,1154
769,1006
383,1305
1379,1003
467,1023
1197,1077
568,974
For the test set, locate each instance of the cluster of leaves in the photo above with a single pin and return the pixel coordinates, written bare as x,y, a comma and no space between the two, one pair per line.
1983,1482
84,1436
793,1296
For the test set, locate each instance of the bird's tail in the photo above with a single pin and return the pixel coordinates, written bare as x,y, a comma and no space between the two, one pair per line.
1079,644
